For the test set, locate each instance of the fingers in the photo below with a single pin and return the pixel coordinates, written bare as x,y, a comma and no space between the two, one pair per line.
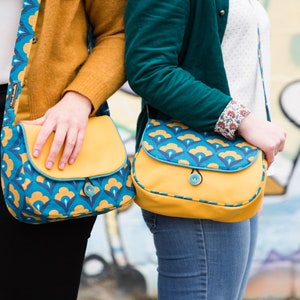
68,119
276,146
57,145
44,134
67,136
267,136
282,141
68,139
76,148
270,157
72,146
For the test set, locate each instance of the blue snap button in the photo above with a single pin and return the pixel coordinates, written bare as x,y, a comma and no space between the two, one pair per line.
195,179
89,189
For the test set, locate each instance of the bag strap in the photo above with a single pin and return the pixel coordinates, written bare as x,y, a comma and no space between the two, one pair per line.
262,75
25,36
23,45
259,55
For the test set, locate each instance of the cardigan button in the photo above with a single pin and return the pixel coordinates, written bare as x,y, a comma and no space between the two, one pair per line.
34,40
222,12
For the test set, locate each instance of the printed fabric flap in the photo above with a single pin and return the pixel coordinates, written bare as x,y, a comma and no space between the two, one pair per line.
175,143
102,152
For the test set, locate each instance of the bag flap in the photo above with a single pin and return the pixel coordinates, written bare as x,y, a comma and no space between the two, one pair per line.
175,143
102,153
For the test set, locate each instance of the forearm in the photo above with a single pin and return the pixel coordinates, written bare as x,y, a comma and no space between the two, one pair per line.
103,72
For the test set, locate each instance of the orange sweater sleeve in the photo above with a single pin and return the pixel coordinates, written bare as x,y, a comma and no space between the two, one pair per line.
103,71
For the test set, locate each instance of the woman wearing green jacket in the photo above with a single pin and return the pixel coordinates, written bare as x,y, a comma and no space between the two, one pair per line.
64,83
196,61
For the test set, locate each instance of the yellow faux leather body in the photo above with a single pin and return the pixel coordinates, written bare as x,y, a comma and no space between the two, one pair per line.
102,151
227,197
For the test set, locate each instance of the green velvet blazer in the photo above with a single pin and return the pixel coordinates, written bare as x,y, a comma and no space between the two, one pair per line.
174,60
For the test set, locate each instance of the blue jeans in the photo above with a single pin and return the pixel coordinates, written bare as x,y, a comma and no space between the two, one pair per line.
202,259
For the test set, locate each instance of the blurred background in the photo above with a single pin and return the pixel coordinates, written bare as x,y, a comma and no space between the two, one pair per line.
120,260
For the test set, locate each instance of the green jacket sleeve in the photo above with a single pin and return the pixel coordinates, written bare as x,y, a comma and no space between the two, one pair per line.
154,33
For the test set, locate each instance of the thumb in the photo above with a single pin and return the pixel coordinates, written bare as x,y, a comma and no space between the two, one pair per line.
39,121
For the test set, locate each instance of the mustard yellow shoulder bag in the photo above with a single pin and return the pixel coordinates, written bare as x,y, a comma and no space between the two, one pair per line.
98,182
181,172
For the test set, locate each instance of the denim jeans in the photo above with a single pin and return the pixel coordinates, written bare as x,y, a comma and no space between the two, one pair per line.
202,259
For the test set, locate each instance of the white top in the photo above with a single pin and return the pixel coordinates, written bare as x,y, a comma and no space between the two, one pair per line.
10,11
239,47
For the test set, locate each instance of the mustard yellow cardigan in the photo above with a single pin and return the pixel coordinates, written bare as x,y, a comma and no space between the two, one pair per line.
59,60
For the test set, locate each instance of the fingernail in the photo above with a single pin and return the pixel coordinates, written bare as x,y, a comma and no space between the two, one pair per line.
36,153
62,166
71,161
49,165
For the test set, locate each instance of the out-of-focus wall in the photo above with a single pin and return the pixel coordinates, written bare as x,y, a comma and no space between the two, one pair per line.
276,269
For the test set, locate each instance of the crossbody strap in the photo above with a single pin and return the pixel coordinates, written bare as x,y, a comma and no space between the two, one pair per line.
259,55
262,75
23,45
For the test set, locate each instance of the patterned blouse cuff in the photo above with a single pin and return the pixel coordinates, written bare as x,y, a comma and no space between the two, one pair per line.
231,118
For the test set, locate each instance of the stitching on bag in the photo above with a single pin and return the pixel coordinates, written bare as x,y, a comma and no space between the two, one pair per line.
263,178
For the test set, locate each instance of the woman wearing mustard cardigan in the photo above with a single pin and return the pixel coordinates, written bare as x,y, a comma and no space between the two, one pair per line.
63,85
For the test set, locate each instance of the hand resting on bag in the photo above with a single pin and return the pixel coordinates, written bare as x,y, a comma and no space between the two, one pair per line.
269,137
68,119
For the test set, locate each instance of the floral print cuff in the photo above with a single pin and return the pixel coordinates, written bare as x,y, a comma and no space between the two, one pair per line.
231,118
